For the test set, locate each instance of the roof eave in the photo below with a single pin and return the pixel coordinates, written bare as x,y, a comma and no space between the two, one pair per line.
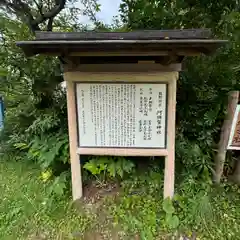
59,47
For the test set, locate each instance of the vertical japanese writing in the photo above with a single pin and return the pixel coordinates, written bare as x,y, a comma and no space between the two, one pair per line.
149,130
122,115
83,112
146,107
159,113
141,101
133,100
150,100
113,114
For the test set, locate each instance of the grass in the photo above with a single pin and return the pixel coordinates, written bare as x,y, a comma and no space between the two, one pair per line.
29,211
26,211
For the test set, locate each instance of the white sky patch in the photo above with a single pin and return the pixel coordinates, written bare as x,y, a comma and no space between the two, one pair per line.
109,9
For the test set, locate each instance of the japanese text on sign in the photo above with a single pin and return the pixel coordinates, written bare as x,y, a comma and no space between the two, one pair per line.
121,115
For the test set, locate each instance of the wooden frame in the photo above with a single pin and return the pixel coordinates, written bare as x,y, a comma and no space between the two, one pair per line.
74,156
169,175
122,151
125,68
133,73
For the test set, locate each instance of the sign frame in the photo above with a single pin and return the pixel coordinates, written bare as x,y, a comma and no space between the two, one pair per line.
133,73
78,83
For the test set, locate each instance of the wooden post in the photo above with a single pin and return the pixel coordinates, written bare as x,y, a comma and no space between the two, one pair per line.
219,158
170,158
72,130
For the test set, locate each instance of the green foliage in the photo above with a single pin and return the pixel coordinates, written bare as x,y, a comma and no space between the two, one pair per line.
197,210
59,185
31,209
192,158
149,14
205,81
147,182
138,215
49,150
44,142
36,115
172,220
103,167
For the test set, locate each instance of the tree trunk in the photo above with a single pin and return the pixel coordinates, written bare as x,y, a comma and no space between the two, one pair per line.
224,137
236,174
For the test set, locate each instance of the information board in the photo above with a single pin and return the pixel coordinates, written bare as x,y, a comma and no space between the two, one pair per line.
121,115
234,139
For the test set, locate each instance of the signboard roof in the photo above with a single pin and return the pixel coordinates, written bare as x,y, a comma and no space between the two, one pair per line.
178,42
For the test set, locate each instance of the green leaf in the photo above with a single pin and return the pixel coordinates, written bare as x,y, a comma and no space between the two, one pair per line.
102,160
127,165
167,206
59,189
119,168
3,72
172,221
101,167
112,169
98,7
179,200
91,167
21,146
95,166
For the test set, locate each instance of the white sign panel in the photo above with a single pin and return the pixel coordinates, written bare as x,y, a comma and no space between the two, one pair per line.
234,138
121,115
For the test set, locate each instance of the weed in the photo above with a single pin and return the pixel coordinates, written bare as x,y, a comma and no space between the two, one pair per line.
108,167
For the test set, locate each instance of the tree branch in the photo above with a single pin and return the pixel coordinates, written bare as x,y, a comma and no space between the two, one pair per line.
39,7
22,10
51,14
49,25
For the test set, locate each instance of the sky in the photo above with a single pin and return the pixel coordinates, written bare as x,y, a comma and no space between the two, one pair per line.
109,9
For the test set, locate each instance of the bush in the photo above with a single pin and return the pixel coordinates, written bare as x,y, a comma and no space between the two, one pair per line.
104,168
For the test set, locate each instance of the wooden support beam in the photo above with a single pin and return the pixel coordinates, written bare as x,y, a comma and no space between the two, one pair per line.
122,151
72,130
114,72
170,158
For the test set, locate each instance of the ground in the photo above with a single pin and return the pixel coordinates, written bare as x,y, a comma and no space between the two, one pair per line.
28,210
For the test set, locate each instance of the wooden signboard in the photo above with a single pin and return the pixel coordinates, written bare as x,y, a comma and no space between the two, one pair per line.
234,139
122,114
121,91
